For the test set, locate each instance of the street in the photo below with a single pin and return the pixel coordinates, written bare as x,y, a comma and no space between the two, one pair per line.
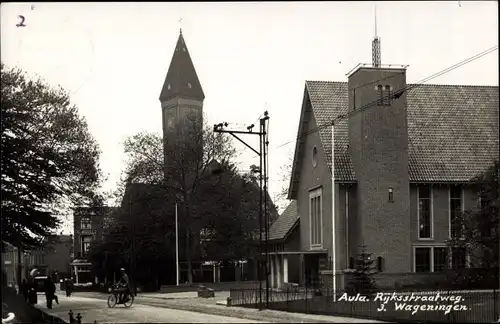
93,309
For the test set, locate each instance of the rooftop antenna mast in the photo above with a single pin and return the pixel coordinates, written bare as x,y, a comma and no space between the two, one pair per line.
376,56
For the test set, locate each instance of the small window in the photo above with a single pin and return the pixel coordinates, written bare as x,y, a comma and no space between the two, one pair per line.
387,95
189,85
168,87
183,49
85,223
384,94
380,264
351,263
315,157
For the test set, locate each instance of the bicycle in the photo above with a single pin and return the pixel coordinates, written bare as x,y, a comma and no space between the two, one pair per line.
113,298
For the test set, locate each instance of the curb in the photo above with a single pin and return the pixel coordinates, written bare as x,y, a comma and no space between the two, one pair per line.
239,312
49,318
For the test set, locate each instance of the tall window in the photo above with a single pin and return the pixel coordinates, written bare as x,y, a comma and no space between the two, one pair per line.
86,241
85,223
455,211
316,219
424,212
431,259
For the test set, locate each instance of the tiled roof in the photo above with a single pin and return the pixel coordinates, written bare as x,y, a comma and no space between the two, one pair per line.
182,79
452,129
285,222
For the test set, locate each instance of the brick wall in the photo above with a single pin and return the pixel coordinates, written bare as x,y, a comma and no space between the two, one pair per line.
379,149
314,177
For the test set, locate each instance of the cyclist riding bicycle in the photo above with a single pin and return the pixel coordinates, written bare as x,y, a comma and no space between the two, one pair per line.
124,283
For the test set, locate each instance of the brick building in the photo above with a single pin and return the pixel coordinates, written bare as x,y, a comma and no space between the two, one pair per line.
88,224
405,156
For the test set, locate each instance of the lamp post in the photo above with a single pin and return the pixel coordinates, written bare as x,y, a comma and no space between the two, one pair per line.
176,247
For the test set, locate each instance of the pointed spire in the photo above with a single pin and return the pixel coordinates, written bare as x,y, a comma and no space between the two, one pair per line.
181,80
376,51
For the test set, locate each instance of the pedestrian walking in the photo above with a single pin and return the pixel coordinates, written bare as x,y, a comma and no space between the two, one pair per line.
69,287
24,290
50,292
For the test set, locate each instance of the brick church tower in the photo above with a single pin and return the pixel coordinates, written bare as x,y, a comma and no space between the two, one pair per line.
181,96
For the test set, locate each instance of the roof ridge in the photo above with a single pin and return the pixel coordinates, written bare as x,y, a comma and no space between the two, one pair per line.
417,84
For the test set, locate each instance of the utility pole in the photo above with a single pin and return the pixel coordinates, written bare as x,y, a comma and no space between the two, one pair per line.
498,246
133,256
176,247
263,124
263,223
334,240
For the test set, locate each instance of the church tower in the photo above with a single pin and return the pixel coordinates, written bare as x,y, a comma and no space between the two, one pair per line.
181,96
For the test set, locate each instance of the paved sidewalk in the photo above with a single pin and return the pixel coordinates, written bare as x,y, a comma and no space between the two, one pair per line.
189,301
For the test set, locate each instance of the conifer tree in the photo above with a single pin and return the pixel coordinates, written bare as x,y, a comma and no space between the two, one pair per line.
364,268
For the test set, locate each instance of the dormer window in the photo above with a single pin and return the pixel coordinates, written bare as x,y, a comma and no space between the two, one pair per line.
168,87
189,85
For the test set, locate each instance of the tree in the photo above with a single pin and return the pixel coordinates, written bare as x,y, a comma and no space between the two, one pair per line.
136,239
49,158
281,198
230,215
478,228
191,151
362,281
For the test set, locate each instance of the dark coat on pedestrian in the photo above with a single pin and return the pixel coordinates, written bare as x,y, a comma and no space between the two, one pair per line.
24,289
50,292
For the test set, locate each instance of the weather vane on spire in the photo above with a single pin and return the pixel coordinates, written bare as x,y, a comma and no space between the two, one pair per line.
180,24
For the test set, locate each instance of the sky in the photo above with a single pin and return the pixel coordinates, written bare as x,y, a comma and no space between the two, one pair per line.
249,56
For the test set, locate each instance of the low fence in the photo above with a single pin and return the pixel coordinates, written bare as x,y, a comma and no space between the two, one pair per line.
437,307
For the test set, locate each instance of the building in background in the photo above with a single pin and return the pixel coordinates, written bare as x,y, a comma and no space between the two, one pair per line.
51,258
57,255
88,225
